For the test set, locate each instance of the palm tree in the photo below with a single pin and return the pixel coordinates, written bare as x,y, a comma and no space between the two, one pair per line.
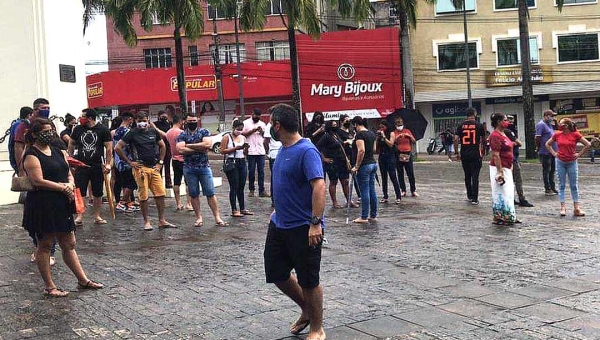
526,76
184,15
299,13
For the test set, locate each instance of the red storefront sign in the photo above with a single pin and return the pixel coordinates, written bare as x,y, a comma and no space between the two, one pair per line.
196,83
351,72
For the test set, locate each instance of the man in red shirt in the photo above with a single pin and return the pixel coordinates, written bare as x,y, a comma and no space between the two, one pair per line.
41,108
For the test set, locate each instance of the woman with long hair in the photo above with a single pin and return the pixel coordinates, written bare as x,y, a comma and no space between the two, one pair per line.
387,161
365,170
233,145
403,139
503,186
70,123
48,212
316,128
335,161
566,162
346,136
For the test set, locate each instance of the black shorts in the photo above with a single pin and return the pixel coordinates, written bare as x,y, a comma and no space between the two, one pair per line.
93,174
287,249
177,172
127,180
336,171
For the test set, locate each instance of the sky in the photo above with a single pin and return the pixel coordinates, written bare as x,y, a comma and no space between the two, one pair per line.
96,53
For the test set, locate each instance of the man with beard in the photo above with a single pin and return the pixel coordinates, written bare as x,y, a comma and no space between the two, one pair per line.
254,130
89,142
470,134
147,152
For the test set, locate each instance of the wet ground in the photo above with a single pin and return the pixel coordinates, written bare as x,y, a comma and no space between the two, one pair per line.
433,267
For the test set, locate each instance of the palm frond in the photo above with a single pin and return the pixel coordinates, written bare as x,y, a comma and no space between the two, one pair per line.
253,15
91,7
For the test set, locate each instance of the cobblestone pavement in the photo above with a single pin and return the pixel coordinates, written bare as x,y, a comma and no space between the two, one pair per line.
433,267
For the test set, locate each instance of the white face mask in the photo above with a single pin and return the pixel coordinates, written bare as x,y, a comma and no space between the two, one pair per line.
400,128
142,125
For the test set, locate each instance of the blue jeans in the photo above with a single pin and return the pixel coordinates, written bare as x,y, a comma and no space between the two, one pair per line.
366,182
548,170
237,183
256,161
194,177
565,169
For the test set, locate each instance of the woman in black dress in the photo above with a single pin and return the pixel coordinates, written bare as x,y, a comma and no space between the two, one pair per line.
48,212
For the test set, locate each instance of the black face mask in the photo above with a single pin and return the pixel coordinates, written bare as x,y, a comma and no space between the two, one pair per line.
274,134
192,126
346,125
255,119
331,129
163,119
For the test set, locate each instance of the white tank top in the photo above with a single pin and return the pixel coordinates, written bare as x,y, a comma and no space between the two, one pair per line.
231,144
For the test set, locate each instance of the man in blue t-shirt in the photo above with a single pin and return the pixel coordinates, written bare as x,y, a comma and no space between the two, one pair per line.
193,143
295,234
543,132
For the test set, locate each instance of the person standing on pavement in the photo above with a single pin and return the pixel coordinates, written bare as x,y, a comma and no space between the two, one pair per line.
123,173
566,162
162,125
511,133
193,143
89,142
335,162
70,124
447,141
272,147
365,170
470,134
24,116
177,161
233,145
543,132
147,154
48,212
404,139
503,187
295,234
254,129
347,137
41,108
316,128
387,161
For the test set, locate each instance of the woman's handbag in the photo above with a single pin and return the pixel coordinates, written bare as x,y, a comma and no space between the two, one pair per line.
228,164
21,184
403,157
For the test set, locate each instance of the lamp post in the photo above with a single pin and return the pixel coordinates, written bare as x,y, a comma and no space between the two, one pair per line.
467,56
239,65
218,75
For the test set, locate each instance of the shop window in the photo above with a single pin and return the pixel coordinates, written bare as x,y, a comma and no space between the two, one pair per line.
158,57
272,50
578,47
227,53
509,51
578,2
510,4
446,7
452,56
193,52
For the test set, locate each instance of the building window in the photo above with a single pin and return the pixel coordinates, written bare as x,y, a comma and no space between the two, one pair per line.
446,7
156,20
274,7
193,51
158,57
452,56
393,11
578,47
509,51
272,50
510,4
577,2
214,13
227,53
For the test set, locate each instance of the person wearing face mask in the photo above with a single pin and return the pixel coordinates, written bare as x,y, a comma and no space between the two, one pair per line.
365,170
566,162
193,143
48,211
501,178
41,108
162,125
123,173
233,145
404,139
346,136
70,123
543,132
177,162
146,159
254,130
335,161
272,147
316,128
387,161
90,142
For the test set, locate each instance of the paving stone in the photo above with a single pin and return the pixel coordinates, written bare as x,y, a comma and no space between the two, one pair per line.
467,290
589,324
574,285
507,300
542,292
470,308
386,326
347,333
549,312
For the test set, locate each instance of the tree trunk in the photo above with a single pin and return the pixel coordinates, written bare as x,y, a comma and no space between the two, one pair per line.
294,68
406,62
526,82
180,72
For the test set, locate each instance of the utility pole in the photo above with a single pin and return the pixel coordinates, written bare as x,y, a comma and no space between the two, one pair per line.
218,75
239,65
467,56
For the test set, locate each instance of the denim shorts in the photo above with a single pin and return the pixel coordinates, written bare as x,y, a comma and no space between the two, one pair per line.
196,177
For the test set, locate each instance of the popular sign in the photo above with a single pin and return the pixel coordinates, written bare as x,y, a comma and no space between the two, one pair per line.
196,83
95,90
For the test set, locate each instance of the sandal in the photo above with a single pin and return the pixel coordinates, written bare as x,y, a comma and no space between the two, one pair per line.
55,292
96,285
398,201
78,223
383,200
180,207
247,212
236,214
361,221
500,223
198,224
100,221
221,224
52,261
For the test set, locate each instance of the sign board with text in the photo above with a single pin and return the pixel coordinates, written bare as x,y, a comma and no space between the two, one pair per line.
511,76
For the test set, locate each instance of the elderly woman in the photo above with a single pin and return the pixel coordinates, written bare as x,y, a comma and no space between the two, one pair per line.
47,168
365,169
503,186
566,162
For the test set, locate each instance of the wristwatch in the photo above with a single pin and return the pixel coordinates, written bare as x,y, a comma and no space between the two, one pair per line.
315,220
161,162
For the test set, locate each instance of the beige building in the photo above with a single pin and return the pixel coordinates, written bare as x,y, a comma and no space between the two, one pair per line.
564,57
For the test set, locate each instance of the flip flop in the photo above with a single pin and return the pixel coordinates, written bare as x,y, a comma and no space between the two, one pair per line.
87,285
360,221
180,207
148,228
299,326
221,224
237,215
61,293
100,221
247,212
78,223
198,225
167,225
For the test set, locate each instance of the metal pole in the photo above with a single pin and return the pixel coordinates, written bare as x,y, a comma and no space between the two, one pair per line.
239,66
468,61
218,75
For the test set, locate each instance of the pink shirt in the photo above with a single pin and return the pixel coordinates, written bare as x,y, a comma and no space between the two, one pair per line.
172,135
502,144
567,145
255,140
